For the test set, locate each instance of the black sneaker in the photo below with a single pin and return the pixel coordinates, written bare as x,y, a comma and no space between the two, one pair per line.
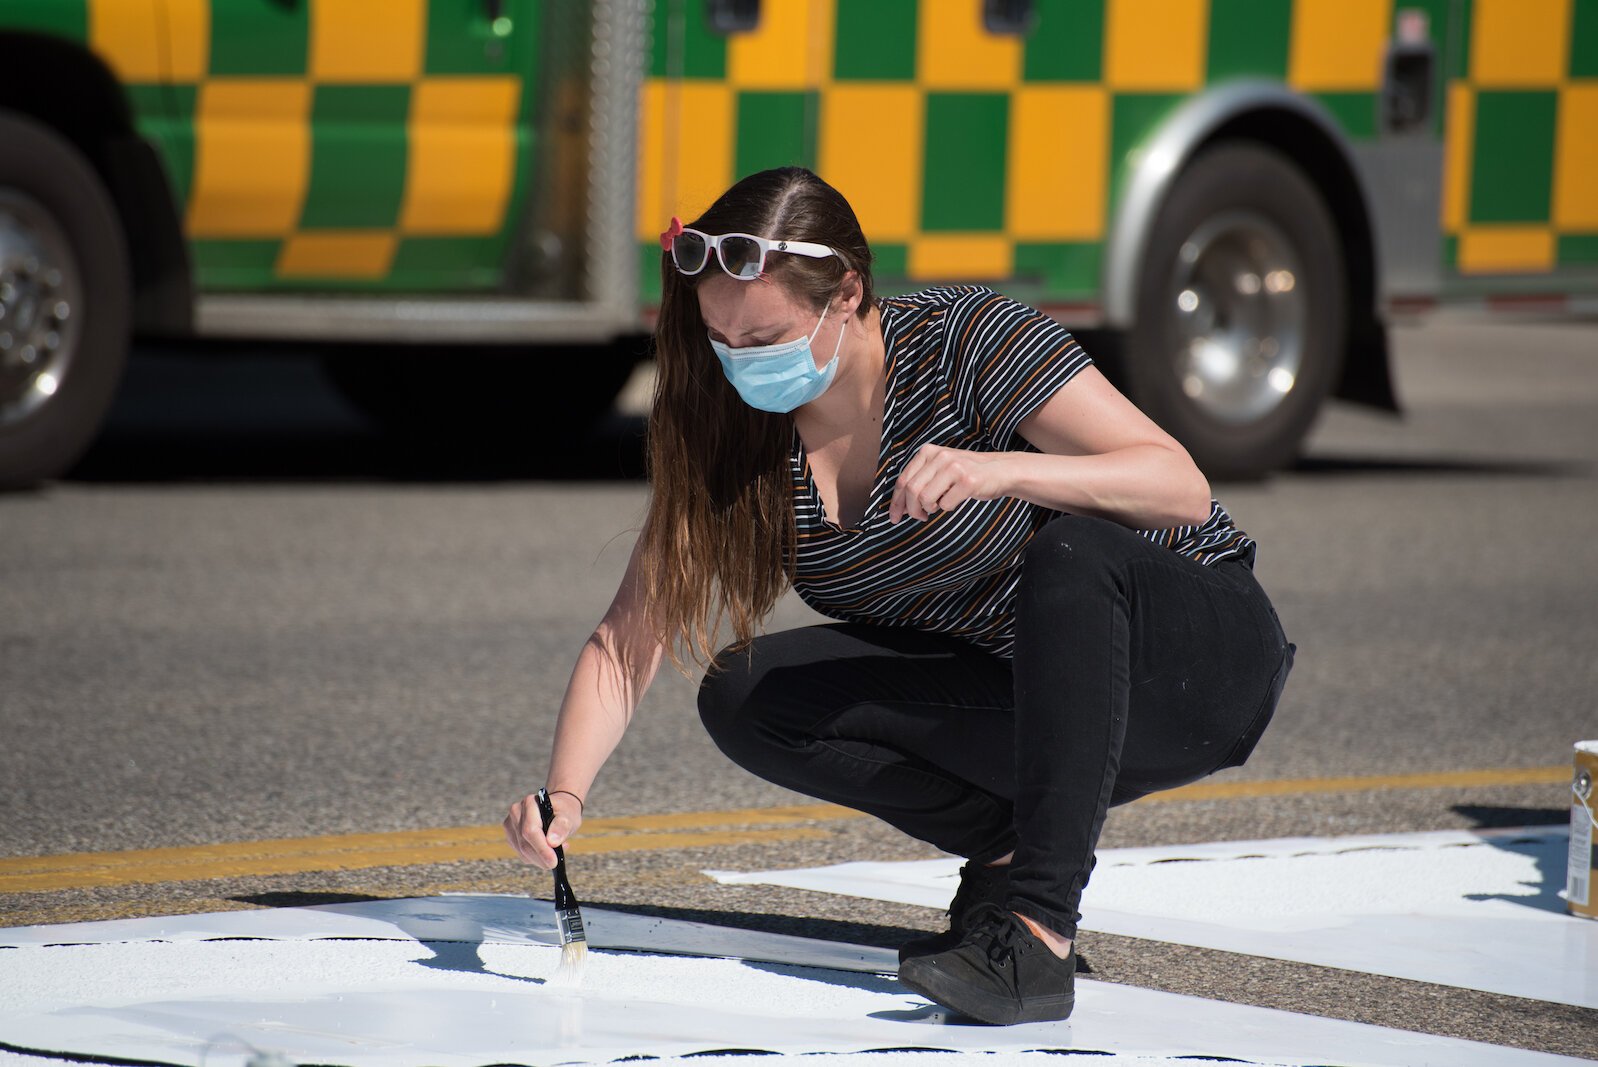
1000,973
979,884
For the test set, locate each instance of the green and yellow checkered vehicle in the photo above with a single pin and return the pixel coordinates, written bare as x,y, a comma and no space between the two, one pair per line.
1229,199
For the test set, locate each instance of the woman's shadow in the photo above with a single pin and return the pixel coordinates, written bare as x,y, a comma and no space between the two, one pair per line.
454,938
1549,855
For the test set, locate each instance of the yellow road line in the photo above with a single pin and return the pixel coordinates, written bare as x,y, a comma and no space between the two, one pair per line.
468,839
237,860
674,830
1304,786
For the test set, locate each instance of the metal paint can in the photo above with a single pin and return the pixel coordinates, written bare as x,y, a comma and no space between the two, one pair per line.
1581,896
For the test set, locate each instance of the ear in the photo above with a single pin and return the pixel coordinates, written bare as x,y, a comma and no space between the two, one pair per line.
850,292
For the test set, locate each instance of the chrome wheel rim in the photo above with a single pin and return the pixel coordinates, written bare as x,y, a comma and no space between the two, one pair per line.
41,295
1237,306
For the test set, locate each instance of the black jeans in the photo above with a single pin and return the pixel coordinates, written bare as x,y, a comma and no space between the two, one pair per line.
1134,670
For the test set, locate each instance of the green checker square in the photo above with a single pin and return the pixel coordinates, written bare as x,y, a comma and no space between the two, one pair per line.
1355,113
776,130
875,40
649,262
1512,174
148,102
1066,268
683,44
1133,116
175,136
1577,249
61,18
1249,38
224,264
461,40
963,177
890,262
357,156
1584,39
249,37
163,115
1457,54
659,37
1066,42
310,284
458,263
1451,252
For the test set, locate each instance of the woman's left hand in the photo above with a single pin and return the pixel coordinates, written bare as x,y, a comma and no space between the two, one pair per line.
941,479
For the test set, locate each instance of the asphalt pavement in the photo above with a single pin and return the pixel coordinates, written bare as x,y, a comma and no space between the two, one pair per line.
246,616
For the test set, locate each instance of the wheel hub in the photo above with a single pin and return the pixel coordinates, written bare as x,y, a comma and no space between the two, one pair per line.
40,298
1239,317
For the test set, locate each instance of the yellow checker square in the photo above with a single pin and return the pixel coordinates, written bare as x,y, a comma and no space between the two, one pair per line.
252,157
956,51
341,254
189,30
879,174
697,159
1459,134
961,257
361,41
128,37
1506,249
1576,158
1519,43
655,208
461,157
1155,45
1338,45
1056,173
791,48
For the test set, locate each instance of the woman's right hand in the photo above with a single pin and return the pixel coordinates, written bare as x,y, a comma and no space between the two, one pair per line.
524,827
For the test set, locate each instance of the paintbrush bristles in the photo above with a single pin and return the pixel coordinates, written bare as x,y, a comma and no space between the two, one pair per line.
573,957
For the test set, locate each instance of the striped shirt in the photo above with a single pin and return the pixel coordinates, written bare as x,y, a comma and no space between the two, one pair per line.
965,366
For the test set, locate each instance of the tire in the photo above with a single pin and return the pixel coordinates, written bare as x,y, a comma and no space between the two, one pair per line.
65,302
1241,306
476,401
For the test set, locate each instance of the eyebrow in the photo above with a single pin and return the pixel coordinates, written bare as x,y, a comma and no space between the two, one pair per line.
760,333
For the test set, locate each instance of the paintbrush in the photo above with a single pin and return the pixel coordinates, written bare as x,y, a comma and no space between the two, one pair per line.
568,919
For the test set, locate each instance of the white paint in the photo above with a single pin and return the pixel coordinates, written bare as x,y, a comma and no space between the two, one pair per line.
1478,910
464,1004
227,1054
951,1059
462,980
465,917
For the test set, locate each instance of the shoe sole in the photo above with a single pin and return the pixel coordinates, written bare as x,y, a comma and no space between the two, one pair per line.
935,984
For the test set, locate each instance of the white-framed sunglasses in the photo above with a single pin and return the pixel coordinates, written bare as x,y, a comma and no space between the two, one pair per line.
741,255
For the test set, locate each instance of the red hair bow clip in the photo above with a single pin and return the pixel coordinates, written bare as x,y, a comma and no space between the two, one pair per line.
670,234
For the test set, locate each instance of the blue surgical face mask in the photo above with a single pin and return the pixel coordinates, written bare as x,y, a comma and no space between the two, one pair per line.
778,377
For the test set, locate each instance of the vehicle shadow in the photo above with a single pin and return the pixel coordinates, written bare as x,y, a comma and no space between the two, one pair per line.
1433,466
220,414
272,416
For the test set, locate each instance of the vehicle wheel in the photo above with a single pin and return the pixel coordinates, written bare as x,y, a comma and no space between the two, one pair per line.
65,302
446,397
1240,311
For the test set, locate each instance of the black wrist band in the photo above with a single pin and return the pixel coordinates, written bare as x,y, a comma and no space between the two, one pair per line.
568,792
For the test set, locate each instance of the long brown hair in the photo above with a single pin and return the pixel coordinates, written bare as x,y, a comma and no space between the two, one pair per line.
719,543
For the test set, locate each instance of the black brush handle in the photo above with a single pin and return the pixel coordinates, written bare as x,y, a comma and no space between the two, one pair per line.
565,899
547,811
